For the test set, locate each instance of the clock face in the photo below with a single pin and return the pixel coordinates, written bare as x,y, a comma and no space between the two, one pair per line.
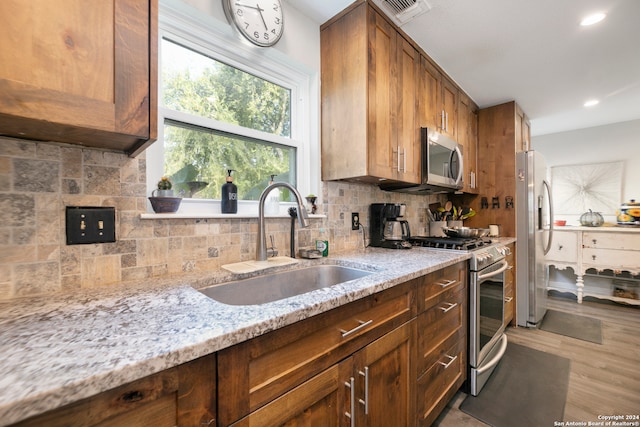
259,21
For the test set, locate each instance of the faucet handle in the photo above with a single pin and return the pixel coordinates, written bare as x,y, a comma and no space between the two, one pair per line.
272,251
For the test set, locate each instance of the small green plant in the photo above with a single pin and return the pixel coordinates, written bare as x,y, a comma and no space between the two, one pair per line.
164,183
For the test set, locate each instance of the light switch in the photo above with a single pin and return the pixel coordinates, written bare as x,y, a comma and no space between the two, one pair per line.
86,225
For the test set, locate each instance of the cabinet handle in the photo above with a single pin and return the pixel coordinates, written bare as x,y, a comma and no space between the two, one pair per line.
351,415
450,306
508,299
362,324
593,257
560,247
404,161
446,121
446,283
398,158
451,360
594,241
365,402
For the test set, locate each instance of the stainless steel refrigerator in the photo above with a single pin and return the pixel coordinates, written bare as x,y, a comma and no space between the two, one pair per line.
534,233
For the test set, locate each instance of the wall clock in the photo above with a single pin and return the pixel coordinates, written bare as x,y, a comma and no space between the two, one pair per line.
259,21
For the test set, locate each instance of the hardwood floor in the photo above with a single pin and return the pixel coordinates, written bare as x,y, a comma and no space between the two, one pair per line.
604,378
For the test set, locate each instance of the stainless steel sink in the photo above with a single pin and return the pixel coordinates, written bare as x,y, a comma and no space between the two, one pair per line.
277,286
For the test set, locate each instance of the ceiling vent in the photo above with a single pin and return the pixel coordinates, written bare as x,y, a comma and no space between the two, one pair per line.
403,11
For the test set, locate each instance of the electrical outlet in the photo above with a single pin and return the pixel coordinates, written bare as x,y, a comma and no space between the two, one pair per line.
90,225
355,220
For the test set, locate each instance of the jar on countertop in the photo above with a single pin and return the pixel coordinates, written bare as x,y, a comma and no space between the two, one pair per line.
629,213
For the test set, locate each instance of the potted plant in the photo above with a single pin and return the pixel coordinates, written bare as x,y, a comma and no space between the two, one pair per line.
162,200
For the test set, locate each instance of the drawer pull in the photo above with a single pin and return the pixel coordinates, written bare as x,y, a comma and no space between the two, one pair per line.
357,328
351,415
446,283
508,299
450,306
560,247
365,402
451,360
593,257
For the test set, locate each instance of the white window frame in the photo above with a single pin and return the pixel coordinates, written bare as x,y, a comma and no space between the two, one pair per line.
190,28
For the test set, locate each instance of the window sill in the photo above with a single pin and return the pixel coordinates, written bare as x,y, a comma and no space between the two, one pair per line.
201,209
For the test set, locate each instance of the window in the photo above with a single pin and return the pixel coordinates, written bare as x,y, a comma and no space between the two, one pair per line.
224,106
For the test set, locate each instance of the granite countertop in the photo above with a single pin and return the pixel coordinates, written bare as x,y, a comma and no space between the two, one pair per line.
62,348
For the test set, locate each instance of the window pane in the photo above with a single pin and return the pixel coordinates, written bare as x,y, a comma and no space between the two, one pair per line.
197,84
197,159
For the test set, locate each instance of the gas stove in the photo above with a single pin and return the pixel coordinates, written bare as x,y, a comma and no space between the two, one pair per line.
483,251
457,243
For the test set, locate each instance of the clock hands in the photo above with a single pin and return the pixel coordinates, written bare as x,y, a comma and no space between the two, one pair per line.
258,8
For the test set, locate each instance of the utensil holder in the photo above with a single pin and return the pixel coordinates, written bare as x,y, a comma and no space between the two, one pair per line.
435,228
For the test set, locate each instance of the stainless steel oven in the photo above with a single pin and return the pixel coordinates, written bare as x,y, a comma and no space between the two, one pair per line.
487,340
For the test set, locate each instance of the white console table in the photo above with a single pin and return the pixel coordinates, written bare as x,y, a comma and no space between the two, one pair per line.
598,248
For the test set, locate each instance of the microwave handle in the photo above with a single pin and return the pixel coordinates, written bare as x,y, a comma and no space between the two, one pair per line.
458,153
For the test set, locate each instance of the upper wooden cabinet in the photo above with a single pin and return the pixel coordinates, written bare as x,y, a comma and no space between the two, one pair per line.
79,73
523,131
369,76
468,138
439,97
499,138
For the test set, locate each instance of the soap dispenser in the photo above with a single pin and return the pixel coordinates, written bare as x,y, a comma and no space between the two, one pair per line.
272,204
229,202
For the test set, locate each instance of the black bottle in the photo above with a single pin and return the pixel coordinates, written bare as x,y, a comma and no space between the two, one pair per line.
229,202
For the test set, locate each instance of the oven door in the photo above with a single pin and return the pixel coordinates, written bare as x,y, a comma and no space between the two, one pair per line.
486,316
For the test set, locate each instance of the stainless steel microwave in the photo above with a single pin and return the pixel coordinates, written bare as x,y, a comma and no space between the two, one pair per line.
442,166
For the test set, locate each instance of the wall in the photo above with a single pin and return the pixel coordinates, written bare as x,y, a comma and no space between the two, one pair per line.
38,180
615,142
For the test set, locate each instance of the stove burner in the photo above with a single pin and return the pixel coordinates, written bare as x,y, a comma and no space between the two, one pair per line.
455,243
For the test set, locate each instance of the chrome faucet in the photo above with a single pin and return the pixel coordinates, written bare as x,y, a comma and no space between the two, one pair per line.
303,217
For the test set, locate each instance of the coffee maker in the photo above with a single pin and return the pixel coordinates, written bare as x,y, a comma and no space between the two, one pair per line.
386,230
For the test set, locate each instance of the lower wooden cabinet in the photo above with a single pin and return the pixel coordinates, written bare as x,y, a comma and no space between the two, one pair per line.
510,287
370,388
183,396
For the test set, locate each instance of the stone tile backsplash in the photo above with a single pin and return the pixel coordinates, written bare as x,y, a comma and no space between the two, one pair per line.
38,180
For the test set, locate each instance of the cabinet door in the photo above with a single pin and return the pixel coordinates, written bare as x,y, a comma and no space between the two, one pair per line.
324,400
384,371
449,107
79,74
406,106
383,140
564,247
429,109
468,138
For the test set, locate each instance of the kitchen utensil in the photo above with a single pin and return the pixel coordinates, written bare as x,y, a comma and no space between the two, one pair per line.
430,216
468,213
465,232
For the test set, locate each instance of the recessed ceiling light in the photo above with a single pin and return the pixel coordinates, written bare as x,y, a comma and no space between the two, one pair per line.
591,103
592,19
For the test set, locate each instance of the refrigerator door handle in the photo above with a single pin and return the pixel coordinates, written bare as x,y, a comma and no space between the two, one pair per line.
547,187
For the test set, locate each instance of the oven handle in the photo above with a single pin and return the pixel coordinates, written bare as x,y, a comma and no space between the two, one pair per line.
493,362
504,267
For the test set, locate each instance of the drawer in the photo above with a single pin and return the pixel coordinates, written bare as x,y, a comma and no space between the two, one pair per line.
564,247
258,371
621,241
441,381
610,258
445,322
431,286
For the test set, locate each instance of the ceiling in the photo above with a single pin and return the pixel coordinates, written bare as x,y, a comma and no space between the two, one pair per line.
533,52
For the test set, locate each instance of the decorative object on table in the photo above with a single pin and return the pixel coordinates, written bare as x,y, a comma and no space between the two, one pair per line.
261,21
591,219
162,200
186,181
229,199
311,199
629,214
